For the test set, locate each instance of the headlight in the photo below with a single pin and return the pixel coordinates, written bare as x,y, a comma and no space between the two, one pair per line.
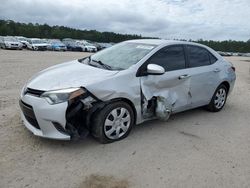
23,90
7,44
63,95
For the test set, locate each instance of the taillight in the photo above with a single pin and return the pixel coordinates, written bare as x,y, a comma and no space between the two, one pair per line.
233,68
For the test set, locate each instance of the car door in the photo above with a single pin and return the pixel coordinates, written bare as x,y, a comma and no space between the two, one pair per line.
174,84
203,72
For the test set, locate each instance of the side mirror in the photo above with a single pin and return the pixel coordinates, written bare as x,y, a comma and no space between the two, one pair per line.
154,69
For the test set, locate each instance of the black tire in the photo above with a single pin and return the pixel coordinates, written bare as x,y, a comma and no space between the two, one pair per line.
99,118
212,107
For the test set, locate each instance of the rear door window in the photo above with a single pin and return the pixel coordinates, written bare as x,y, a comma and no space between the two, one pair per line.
198,56
212,58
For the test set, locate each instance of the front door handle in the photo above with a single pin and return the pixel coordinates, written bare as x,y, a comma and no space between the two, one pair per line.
185,76
217,70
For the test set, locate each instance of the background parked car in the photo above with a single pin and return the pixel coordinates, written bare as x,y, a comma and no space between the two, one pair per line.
23,40
225,53
247,54
87,47
9,42
72,45
57,45
37,44
105,45
98,46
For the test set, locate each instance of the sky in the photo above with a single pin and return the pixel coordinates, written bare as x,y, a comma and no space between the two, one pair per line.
168,19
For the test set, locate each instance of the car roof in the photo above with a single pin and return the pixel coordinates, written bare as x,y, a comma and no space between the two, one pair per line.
162,42
159,42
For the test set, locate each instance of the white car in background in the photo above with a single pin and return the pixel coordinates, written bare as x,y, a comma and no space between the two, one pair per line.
37,44
9,42
87,47
110,91
23,40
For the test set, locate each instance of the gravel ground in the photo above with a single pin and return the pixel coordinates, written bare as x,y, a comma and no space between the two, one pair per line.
193,149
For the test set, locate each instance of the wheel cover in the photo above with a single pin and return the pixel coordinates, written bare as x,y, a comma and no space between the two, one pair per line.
117,123
220,98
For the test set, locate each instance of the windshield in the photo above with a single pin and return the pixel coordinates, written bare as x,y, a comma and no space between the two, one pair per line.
123,55
21,39
37,41
79,43
10,39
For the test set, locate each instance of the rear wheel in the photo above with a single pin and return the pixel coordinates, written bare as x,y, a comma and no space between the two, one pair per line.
113,122
219,99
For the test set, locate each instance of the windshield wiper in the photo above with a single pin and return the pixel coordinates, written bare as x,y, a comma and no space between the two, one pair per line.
102,64
96,61
82,59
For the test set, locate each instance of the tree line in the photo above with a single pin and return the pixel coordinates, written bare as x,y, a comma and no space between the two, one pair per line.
228,46
30,30
12,28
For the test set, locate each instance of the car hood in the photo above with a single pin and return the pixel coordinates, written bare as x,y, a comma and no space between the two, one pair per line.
66,75
42,44
11,42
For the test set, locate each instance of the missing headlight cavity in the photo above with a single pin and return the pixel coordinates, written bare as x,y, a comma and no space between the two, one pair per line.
78,115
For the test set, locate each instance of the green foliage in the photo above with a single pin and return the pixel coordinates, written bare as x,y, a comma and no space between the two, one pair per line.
9,27
227,46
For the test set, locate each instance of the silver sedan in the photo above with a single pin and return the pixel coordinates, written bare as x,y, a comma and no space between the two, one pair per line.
109,92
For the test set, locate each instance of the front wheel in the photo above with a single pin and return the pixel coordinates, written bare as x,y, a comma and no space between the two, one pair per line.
113,122
219,99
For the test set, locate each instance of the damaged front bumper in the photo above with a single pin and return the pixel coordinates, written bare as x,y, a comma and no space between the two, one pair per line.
38,116
63,121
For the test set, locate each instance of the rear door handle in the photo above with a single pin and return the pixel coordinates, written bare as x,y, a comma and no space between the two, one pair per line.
185,76
217,70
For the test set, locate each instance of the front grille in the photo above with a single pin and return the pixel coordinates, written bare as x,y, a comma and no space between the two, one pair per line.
34,92
59,128
29,114
42,47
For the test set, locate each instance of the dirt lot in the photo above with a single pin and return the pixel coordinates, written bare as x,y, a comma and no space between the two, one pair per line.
193,149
